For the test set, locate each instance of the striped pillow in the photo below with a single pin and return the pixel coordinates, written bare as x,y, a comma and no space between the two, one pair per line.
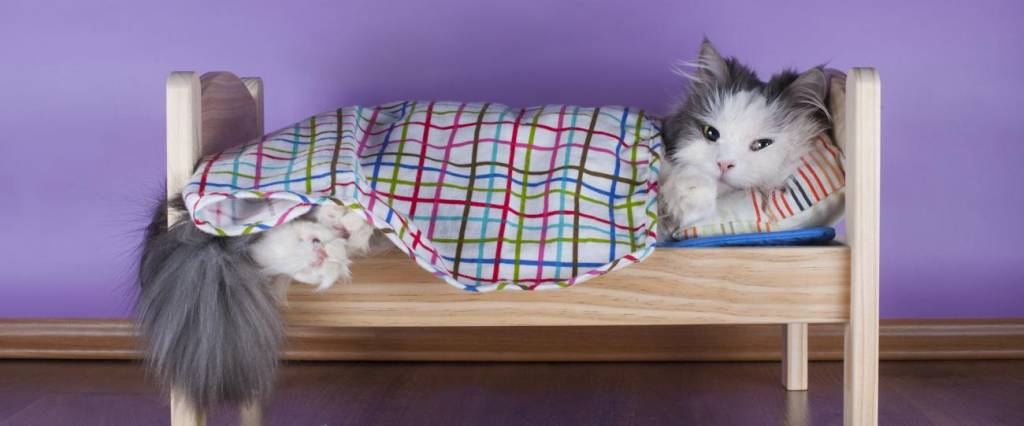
813,196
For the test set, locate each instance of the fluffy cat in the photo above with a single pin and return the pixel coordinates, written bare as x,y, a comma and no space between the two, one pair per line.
735,132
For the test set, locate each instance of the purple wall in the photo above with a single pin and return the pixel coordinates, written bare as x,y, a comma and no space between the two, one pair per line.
82,112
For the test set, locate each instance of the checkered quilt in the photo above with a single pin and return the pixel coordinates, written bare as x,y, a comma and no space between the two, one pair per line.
482,195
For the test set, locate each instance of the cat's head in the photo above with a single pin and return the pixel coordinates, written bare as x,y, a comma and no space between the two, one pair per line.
741,129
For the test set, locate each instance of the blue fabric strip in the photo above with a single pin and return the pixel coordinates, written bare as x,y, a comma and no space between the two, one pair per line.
798,237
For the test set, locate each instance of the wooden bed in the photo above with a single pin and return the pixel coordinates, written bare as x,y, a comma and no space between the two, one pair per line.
789,286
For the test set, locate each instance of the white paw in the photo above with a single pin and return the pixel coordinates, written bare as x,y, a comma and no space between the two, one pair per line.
336,266
697,200
348,224
359,232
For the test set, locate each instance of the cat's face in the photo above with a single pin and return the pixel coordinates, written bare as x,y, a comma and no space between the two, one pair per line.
741,130
741,139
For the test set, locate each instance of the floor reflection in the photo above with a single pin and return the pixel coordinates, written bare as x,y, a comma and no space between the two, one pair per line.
797,413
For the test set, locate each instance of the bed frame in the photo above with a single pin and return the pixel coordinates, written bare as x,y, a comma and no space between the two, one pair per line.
789,286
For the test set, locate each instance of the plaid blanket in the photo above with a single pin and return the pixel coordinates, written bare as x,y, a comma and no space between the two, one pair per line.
484,196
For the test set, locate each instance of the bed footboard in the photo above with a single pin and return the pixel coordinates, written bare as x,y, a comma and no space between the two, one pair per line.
863,207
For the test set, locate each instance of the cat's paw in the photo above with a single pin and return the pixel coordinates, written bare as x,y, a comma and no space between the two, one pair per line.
336,265
697,200
348,224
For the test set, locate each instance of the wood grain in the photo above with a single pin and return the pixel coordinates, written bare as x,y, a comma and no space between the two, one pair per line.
899,340
673,286
250,414
184,131
255,87
863,195
184,413
794,356
230,114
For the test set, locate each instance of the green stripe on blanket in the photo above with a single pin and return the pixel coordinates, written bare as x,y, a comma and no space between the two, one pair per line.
482,195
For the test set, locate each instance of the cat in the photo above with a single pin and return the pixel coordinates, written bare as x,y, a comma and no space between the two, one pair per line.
734,132
208,308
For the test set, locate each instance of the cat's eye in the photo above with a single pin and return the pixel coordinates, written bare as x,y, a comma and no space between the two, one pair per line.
710,133
760,144
316,241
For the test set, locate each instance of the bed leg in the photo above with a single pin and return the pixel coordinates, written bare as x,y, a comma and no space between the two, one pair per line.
184,413
251,414
794,356
860,358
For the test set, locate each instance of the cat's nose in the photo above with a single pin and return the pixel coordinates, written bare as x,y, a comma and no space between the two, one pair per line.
724,166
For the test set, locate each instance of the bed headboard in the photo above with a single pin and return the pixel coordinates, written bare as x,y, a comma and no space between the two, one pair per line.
206,114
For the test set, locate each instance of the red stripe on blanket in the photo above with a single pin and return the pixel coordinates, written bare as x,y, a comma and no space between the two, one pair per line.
508,194
259,163
809,184
419,170
547,189
503,122
825,143
757,209
822,163
824,192
206,173
518,213
441,176
775,200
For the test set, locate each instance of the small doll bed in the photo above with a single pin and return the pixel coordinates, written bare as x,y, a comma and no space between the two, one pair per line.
488,197
790,286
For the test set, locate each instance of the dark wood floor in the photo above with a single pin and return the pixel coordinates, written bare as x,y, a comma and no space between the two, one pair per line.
912,393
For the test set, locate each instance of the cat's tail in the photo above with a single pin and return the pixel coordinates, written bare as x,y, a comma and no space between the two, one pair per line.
206,313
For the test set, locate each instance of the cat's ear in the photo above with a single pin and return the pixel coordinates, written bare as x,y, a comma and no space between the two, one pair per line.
809,89
711,67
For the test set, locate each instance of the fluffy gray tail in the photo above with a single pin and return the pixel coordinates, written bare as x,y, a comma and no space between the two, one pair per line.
207,314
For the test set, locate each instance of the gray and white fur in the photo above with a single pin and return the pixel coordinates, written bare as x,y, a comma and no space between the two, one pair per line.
208,305
735,132
210,326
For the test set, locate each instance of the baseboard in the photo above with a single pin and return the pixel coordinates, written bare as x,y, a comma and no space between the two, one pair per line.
900,340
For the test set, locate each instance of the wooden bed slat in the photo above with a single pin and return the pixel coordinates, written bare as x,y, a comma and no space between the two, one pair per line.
673,286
